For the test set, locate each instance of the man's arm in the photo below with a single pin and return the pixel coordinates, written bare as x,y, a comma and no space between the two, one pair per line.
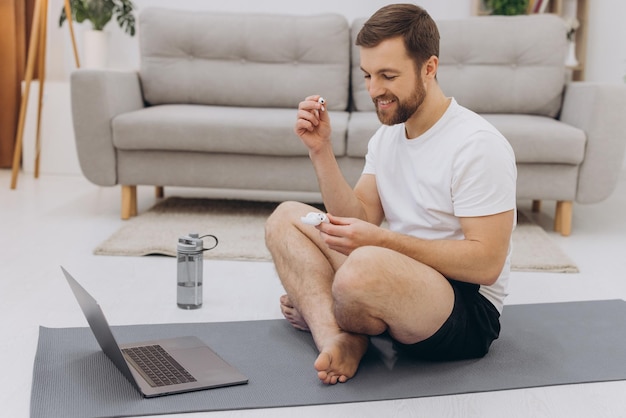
478,258
362,202
313,128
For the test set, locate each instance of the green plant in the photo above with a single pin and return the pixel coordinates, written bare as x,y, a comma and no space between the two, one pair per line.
507,7
100,12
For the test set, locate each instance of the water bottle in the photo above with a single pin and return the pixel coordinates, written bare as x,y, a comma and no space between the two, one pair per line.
189,275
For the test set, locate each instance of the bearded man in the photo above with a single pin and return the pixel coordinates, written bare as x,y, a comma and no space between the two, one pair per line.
444,180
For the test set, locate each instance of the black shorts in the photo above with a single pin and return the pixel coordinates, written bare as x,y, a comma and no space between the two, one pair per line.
469,331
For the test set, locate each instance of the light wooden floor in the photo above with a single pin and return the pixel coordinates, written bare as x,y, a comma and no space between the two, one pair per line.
58,220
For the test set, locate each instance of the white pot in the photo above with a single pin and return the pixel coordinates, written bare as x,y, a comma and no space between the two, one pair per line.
95,49
571,60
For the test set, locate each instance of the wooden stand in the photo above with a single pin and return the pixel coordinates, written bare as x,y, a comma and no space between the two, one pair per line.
36,56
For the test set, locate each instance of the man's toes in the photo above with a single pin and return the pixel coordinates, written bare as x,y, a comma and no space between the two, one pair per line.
285,301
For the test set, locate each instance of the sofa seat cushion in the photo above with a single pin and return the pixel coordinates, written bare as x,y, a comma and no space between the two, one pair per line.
218,129
540,139
535,139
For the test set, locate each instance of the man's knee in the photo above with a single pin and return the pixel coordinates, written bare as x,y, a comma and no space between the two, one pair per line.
278,219
355,274
284,219
354,293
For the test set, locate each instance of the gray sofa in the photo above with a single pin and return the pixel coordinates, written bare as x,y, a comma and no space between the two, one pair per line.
213,105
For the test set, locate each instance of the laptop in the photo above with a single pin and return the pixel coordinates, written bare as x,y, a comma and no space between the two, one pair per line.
160,367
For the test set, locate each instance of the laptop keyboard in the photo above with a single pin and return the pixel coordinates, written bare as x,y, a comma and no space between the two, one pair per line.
157,366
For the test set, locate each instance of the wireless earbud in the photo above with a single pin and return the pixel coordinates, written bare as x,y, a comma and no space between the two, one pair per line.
321,101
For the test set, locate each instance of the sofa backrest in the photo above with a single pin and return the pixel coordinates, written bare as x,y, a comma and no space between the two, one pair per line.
240,59
494,64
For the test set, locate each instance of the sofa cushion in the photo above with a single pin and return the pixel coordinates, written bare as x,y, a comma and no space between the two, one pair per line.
205,57
535,139
219,129
482,57
504,64
361,127
361,100
540,139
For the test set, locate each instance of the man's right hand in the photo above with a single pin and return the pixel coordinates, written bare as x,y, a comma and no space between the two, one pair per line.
313,124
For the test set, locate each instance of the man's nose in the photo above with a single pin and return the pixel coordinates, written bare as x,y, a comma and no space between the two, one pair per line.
374,88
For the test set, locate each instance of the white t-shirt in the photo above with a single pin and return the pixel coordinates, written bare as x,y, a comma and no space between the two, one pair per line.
461,167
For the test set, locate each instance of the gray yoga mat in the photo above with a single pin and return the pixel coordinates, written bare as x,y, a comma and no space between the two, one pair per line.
540,345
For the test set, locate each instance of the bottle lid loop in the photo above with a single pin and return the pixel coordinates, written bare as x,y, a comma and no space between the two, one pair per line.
193,243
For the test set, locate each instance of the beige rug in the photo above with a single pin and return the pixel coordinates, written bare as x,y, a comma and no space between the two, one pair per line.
239,227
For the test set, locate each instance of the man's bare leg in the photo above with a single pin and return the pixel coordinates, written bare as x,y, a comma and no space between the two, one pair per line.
379,290
306,268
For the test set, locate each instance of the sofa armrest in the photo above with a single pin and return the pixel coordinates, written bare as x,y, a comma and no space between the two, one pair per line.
597,109
97,97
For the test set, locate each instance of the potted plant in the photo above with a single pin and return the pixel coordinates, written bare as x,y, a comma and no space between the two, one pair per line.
572,24
100,13
507,7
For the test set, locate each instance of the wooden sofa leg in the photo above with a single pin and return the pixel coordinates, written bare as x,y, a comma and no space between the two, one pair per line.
563,217
536,206
158,192
129,201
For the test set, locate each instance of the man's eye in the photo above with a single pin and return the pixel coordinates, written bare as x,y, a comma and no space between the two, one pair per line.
389,77
367,76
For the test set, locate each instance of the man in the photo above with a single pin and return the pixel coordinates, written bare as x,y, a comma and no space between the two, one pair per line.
442,177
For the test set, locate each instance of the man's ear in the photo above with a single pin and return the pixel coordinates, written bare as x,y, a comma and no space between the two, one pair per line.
430,67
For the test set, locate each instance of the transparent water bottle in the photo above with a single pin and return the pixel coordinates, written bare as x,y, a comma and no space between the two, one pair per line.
190,270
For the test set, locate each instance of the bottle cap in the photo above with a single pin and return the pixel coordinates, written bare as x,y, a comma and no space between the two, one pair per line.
190,244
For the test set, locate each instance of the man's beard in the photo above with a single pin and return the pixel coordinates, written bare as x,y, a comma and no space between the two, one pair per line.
404,110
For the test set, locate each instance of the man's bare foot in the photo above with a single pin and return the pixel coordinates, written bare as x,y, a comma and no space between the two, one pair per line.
340,356
292,315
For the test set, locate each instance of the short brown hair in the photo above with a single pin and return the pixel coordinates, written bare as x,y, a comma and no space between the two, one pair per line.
409,21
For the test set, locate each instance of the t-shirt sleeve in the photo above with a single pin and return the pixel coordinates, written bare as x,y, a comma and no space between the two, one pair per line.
484,176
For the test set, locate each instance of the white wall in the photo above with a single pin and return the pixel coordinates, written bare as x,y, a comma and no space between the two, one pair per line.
606,41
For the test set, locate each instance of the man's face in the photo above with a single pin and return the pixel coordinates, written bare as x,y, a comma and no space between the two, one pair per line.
393,82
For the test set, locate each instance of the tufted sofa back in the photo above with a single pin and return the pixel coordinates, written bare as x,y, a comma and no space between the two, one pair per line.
206,57
490,64
494,64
